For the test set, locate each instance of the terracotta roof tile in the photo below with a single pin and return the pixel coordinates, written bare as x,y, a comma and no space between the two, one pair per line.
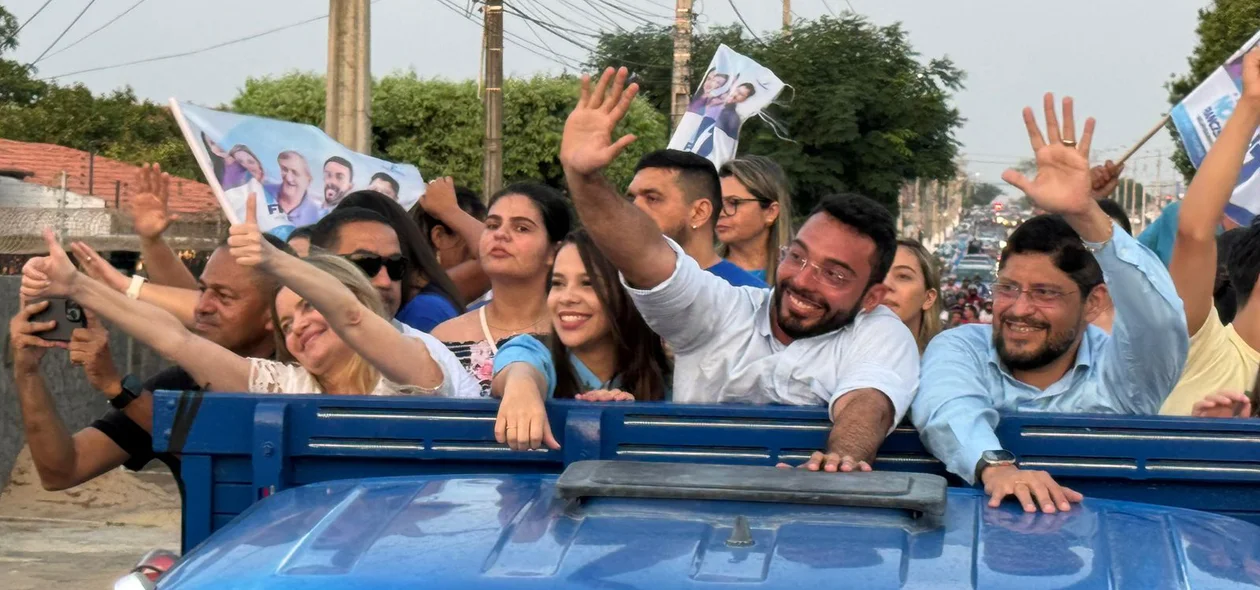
47,162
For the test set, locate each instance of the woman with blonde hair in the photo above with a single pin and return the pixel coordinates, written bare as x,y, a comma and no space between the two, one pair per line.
752,235
914,291
327,315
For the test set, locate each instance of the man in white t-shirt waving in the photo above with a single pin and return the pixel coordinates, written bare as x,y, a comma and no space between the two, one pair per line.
820,337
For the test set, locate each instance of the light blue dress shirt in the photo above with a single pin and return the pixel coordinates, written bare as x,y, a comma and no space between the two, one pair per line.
1131,371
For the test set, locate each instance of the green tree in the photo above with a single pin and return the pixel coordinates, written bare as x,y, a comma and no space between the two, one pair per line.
437,124
863,114
1223,27
115,124
983,194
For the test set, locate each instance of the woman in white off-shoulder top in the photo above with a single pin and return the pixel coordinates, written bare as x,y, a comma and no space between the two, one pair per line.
327,314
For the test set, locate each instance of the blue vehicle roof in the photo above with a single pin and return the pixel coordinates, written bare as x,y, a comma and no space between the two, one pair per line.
516,531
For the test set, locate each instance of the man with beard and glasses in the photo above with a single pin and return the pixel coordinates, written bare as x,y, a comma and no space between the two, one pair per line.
1041,353
820,337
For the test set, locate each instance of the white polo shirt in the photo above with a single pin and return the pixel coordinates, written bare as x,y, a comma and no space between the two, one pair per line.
724,350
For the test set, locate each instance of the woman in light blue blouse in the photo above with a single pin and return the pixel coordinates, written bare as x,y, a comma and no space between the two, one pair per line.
601,349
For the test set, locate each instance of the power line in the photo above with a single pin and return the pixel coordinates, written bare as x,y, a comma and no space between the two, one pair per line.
519,41
192,52
100,28
63,33
28,21
741,19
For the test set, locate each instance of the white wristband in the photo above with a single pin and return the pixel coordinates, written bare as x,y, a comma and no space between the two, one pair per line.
133,290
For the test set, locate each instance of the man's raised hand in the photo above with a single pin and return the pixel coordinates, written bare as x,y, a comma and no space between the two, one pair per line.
1063,183
587,145
149,208
245,240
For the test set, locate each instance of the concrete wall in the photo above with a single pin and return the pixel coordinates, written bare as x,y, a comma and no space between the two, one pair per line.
77,403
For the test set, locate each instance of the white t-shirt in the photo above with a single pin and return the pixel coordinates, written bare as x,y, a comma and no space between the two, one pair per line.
267,376
724,350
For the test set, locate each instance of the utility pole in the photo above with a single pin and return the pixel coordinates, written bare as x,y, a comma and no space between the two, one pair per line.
681,84
787,17
492,100
348,86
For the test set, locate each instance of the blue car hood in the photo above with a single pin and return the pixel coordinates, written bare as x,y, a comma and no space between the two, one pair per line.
514,531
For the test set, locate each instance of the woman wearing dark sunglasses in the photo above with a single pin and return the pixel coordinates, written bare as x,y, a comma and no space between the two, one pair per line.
428,295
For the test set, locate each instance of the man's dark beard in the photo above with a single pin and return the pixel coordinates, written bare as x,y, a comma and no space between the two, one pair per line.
836,322
1056,345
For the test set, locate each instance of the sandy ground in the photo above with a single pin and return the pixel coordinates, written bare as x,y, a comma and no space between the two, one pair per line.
86,537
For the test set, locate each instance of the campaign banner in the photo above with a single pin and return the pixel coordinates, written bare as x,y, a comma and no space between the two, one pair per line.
297,171
1201,116
734,88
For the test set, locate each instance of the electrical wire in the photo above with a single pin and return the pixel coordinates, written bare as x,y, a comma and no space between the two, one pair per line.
100,28
63,33
28,21
191,52
519,41
741,19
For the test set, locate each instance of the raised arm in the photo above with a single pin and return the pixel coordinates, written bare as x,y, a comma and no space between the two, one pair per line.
439,201
150,215
213,366
1148,324
61,460
177,301
1193,265
399,358
627,236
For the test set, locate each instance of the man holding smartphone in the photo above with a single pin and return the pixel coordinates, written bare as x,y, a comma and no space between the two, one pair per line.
233,310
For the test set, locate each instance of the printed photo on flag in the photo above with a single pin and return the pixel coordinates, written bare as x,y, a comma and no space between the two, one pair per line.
297,172
733,89
1201,116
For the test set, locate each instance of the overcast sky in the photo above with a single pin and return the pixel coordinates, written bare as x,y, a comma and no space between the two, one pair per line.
1113,56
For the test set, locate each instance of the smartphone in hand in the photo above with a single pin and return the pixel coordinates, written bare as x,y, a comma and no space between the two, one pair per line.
68,315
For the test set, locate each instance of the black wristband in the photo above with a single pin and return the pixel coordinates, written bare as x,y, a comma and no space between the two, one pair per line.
130,390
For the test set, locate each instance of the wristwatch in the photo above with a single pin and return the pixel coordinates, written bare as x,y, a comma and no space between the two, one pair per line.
998,458
131,387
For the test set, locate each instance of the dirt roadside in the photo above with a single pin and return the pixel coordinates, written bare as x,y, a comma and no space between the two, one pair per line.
87,537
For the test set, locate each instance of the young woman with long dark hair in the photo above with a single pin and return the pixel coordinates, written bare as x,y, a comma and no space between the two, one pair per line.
601,349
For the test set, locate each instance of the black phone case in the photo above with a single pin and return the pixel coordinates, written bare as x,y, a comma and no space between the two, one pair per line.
68,316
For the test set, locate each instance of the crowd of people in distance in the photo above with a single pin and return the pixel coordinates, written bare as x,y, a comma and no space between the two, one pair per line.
688,286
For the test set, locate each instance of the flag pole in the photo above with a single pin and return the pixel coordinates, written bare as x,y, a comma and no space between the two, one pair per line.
1145,138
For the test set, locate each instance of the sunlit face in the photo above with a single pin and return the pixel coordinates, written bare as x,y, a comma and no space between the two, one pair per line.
231,310
337,183
907,295
1027,335
295,177
576,312
514,243
807,305
310,340
250,163
655,191
749,220
371,238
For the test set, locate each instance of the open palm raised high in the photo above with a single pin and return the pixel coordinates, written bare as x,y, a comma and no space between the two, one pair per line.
1063,183
587,146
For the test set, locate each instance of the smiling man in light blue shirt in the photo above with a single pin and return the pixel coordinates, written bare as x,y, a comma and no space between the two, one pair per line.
1041,353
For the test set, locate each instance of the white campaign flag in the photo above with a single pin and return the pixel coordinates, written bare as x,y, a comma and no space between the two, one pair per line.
734,88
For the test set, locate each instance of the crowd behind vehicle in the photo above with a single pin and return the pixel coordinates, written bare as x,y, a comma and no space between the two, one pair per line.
687,286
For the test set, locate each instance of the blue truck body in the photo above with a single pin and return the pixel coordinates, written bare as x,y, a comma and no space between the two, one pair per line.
395,492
